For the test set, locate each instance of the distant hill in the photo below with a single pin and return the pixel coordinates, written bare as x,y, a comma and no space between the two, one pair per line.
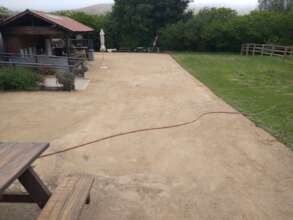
105,8
97,9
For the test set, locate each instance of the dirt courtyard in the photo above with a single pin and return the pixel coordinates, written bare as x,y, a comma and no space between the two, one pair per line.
222,167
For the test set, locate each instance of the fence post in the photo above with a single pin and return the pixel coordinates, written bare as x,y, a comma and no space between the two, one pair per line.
262,49
247,49
285,52
241,50
273,50
253,50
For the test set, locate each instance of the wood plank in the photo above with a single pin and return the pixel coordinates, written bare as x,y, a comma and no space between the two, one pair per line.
9,63
37,56
16,198
35,187
15,159
29,30
69,198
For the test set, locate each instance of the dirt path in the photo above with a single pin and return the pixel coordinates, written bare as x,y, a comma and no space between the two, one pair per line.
222,167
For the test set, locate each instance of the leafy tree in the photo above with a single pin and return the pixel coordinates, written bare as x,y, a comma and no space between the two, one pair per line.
135,24
275,5
4,13
97,22
213,24
181,36
223,30
207,30
94,21
138,22
260,27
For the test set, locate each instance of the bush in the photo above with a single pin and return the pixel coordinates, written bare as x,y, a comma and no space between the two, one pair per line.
18,79
66,80
180,36
222,29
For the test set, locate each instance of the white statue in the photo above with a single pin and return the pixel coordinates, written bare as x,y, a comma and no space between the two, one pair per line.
102,41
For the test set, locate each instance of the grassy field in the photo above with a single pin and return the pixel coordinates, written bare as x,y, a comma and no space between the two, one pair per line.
261,87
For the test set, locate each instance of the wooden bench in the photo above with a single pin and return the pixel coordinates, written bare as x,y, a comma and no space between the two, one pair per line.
69,198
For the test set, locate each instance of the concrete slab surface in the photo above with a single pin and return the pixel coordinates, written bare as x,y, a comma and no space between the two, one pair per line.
80,83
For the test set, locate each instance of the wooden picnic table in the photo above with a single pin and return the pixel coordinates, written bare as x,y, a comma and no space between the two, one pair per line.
15,163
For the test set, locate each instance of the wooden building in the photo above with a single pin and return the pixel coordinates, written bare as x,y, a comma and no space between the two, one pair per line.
38,33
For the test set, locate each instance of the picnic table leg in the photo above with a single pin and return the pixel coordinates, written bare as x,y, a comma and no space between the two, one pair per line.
35,187
16,198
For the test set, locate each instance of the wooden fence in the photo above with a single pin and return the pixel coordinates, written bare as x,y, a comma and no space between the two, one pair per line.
267,50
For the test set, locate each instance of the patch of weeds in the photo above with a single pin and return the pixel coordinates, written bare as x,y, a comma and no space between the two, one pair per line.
19,79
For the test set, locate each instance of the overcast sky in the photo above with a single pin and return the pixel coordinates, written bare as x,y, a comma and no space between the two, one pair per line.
48,5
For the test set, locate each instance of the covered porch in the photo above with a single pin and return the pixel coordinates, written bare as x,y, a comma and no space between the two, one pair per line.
42,39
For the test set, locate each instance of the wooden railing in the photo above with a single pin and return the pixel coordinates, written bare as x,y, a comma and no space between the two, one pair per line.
266,50
70,64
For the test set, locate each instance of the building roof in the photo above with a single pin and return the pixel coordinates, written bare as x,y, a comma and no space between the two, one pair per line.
65,22
61,21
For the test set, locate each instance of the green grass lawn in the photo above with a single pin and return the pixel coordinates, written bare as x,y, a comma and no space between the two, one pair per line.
261,87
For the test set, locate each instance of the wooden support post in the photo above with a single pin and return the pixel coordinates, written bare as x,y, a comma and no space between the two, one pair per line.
285,52
35,187
247,49
262,49
253,49
272,50
48,47
67,42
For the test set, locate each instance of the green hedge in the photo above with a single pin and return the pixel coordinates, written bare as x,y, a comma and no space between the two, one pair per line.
212,29
222,29
18,79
